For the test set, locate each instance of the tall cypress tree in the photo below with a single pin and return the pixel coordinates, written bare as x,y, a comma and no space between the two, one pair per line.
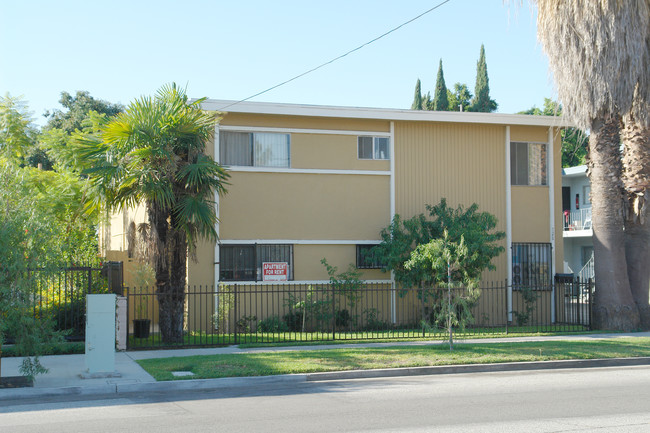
440,101
417,99
482,102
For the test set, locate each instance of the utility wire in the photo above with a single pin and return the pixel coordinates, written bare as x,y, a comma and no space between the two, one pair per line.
339,57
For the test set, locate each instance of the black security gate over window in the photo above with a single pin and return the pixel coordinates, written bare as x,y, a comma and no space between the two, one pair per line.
531,265
244,262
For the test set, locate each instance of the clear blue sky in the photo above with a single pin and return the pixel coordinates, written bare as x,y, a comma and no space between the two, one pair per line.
119,50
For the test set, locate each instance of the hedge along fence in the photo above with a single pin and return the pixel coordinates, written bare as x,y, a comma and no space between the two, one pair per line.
262,312
58,293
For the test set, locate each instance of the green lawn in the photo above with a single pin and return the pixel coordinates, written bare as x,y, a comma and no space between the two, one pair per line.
264,364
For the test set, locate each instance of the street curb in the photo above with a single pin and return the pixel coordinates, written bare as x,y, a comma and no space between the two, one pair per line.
208,384
240,382
478,368
163,386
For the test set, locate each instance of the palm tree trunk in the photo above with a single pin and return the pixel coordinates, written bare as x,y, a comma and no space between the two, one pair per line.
636,179
614,307
170,274
172,303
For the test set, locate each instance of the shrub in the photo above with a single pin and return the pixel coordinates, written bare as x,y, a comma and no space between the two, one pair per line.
343,319
373,322
294,320
272,324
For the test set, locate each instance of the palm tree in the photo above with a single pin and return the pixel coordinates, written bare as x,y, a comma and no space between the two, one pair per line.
152,154
598,54
636,180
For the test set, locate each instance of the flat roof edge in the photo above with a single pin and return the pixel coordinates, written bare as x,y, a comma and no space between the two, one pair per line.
382,113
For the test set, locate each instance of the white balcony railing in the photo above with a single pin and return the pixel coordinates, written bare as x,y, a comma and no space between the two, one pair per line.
577,219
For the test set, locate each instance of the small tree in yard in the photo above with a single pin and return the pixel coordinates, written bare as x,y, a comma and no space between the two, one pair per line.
464,236
442,263
348,284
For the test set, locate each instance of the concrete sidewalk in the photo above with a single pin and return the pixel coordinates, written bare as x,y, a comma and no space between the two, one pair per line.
65,371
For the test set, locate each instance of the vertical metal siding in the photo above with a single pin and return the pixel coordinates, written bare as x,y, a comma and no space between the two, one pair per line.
464,163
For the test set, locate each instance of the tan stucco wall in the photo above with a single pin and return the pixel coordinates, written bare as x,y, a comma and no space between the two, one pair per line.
538,134
201,271
327,151
530,214
308,266
305,206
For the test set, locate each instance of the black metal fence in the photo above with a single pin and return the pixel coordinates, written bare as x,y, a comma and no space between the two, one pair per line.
260,313
59,293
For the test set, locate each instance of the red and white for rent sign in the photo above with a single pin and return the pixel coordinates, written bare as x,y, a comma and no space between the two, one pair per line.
275,271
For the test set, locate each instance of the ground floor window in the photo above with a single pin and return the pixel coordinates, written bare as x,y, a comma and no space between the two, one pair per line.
531,265
365,260
256,262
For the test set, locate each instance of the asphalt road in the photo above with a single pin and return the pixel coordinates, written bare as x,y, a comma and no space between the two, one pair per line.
595,399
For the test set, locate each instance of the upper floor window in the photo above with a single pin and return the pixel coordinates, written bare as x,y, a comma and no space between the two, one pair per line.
373,148
528,163
254,149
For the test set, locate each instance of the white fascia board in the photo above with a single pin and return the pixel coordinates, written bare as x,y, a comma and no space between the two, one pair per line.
577,171
382,113
578,233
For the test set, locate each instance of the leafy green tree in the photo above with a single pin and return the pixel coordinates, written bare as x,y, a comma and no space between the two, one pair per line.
77,109
29,238
574,140
427,102
417,98
440,101
154,154
17,134
477,229
81,113
482,102
460,99
443,263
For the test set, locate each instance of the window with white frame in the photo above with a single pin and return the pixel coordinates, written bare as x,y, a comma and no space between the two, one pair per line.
528,163
373,147
246,262
254,149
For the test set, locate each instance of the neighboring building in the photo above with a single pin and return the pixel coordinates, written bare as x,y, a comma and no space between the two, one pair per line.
576,207
312,182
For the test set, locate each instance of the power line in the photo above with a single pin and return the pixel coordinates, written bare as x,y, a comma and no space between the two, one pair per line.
339,57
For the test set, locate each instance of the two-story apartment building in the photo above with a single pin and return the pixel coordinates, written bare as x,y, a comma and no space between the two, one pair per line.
313,182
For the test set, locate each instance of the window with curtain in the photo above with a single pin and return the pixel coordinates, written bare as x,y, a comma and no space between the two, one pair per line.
254,149
244,262
373,148
528,163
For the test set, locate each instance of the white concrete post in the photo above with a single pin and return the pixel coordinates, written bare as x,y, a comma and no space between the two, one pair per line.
100,335
121,324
